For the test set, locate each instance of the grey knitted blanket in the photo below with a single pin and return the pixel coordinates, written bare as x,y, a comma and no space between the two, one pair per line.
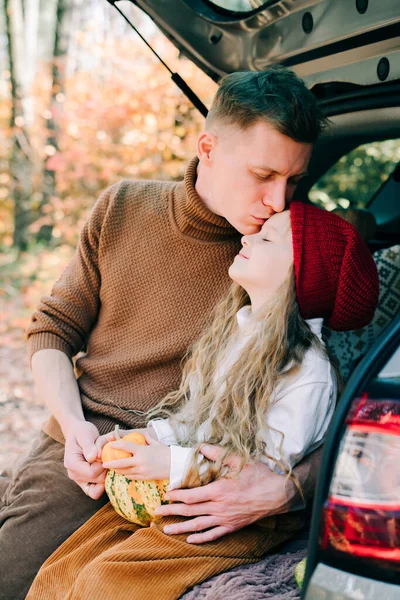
272,577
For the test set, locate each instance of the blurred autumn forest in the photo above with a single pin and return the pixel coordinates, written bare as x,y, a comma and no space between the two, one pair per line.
83,104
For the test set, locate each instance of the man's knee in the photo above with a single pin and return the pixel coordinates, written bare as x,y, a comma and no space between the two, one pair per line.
41,508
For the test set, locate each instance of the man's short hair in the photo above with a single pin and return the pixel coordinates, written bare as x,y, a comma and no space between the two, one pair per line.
276,96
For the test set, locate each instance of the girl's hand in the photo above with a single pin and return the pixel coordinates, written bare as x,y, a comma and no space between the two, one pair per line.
147,462
102,440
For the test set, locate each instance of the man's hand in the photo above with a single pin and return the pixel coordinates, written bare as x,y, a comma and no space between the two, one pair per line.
228,504
80,458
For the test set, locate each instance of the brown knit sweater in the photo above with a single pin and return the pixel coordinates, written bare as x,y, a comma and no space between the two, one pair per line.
151,264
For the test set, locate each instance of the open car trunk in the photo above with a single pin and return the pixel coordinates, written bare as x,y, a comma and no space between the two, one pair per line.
324,42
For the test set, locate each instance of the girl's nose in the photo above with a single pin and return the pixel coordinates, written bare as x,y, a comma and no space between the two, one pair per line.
244,241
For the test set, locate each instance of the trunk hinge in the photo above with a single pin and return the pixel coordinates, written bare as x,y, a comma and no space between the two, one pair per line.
176,78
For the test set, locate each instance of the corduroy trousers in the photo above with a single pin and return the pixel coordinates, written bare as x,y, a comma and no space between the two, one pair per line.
109,558
40,507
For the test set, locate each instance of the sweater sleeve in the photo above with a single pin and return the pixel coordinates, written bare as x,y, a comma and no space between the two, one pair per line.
181,459
63,320
302,415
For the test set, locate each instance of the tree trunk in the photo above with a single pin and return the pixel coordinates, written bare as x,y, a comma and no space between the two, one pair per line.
60,51
31,21
21,154
73,48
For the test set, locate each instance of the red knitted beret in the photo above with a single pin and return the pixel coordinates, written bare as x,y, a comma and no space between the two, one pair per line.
336,276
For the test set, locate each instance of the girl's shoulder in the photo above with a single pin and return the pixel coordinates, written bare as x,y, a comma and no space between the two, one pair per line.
316,325
316,365
315,369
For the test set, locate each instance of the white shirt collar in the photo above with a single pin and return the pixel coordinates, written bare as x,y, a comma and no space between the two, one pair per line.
316,325
244,321
243,317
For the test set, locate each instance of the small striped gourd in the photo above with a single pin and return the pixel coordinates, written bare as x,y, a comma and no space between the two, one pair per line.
133,499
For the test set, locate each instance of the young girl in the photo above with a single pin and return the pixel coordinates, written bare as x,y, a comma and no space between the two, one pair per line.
258,383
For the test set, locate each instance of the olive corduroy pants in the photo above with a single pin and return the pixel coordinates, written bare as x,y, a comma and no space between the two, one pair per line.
110,558
40,507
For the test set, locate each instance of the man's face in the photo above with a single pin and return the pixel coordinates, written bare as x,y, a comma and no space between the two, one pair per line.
252,174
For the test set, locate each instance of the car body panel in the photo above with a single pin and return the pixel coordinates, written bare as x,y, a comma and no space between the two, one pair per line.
362,379
328,583
343,44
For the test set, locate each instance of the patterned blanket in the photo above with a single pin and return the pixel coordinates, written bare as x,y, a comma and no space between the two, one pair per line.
272,577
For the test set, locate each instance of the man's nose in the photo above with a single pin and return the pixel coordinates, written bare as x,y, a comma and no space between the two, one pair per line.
275,197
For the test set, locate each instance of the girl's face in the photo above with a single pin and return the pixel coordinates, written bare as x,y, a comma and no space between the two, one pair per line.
264,262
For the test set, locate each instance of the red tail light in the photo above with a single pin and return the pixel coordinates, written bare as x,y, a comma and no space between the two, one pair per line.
362,514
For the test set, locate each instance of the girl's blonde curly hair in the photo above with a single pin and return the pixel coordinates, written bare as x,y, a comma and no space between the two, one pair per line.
236,406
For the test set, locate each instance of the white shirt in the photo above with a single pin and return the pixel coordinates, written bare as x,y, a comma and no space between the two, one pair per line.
301,408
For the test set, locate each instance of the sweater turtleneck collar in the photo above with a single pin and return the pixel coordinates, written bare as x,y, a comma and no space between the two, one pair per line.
192,217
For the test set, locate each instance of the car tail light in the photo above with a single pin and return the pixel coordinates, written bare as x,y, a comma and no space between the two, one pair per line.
361,516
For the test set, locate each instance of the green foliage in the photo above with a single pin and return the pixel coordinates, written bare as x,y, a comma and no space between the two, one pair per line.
353,180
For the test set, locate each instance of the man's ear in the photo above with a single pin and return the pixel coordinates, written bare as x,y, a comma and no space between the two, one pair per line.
206,143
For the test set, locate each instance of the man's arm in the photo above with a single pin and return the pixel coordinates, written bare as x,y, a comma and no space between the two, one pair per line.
227,505
64,319
306,472
56,384
59,329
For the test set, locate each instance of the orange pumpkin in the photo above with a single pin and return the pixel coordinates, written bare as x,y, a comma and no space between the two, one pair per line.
133,499
110,453
136,438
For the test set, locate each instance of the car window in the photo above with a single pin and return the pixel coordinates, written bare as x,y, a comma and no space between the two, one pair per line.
392,369
356,177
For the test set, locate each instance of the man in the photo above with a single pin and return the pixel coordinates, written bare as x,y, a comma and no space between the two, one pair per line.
151,263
